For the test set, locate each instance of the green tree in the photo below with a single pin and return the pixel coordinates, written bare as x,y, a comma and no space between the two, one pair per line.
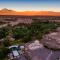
6,43
3,53
3,32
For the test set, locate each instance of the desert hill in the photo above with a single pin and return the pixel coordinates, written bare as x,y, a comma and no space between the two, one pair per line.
12,12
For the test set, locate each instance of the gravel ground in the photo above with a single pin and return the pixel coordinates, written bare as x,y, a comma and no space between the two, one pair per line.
42,53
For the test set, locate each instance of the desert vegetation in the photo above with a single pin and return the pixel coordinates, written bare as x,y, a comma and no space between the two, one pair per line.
24,33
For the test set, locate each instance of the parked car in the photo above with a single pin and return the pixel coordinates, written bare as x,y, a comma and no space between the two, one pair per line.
14,51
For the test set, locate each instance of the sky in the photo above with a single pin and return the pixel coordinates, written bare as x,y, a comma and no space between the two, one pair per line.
31,5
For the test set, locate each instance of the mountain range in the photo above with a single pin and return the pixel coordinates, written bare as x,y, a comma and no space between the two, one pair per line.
44,13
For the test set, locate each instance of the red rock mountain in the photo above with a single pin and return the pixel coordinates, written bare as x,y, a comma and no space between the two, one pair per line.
12,12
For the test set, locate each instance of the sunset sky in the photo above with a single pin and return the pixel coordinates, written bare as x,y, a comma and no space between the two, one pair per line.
31,5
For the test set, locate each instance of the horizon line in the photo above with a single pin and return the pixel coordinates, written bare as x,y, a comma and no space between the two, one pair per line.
29,10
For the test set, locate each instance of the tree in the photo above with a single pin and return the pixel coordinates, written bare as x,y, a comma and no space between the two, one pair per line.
3,52
6,43
3,32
